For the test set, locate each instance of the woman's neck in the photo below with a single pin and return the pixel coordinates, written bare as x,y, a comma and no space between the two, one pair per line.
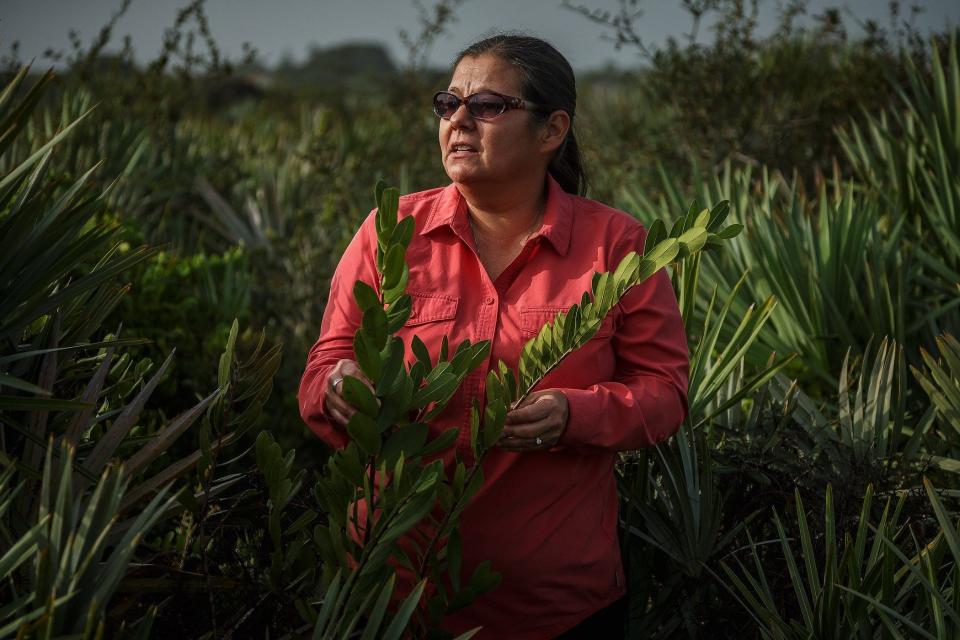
505,214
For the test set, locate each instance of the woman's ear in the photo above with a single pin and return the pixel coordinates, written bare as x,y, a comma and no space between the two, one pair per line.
554,131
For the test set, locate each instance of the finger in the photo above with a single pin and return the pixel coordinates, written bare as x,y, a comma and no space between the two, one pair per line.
335,382
547,440
527,444
537,410
335,402
530,429
342,406
337,416
513,446
345,368
517,444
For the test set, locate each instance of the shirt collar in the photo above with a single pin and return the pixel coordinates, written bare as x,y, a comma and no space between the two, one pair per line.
450,210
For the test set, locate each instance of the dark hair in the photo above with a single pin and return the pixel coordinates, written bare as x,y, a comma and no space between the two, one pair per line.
547,79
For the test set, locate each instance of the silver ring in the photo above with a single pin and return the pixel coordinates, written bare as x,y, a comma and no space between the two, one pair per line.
335,381
539,441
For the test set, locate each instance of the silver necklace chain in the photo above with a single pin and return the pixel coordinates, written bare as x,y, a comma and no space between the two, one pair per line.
538,219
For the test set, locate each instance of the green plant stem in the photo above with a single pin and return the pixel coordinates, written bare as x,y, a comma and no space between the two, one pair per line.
421,572
356,515
378,527
523,396
369,500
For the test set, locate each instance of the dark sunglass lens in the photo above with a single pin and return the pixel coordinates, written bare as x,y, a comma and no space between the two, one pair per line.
486,105
445,104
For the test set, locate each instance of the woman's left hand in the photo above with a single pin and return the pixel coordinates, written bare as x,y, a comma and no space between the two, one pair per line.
543,415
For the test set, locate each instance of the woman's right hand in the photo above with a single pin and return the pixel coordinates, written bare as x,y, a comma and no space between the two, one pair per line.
338,408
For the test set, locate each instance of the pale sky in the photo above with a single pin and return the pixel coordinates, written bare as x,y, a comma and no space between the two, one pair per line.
290,27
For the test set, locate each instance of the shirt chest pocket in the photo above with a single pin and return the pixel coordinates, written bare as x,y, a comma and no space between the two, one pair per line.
431,307
532,319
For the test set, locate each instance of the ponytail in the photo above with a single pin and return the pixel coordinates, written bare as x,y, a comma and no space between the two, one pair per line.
566,167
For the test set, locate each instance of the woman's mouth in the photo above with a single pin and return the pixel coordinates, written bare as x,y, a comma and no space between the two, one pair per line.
462,150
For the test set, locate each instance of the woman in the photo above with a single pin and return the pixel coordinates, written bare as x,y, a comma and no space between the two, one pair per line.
495,255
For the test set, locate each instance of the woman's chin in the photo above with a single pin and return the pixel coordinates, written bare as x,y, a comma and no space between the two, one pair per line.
461,175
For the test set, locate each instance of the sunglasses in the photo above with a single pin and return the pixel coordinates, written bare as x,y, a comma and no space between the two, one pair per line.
483,105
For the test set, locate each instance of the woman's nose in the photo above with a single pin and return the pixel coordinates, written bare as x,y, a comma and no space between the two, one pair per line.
461,117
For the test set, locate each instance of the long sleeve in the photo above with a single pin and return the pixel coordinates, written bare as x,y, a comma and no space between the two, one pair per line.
341,318
647,400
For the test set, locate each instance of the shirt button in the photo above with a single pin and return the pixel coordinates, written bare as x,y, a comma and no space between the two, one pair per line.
488,300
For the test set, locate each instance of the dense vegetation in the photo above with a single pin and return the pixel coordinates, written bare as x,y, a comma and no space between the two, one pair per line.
167,235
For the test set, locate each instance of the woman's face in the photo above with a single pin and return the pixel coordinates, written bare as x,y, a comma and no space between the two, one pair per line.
501,149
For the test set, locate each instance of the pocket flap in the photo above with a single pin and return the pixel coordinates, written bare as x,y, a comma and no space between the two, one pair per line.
430,307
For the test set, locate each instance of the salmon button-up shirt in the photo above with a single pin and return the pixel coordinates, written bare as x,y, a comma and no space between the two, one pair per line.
546,519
